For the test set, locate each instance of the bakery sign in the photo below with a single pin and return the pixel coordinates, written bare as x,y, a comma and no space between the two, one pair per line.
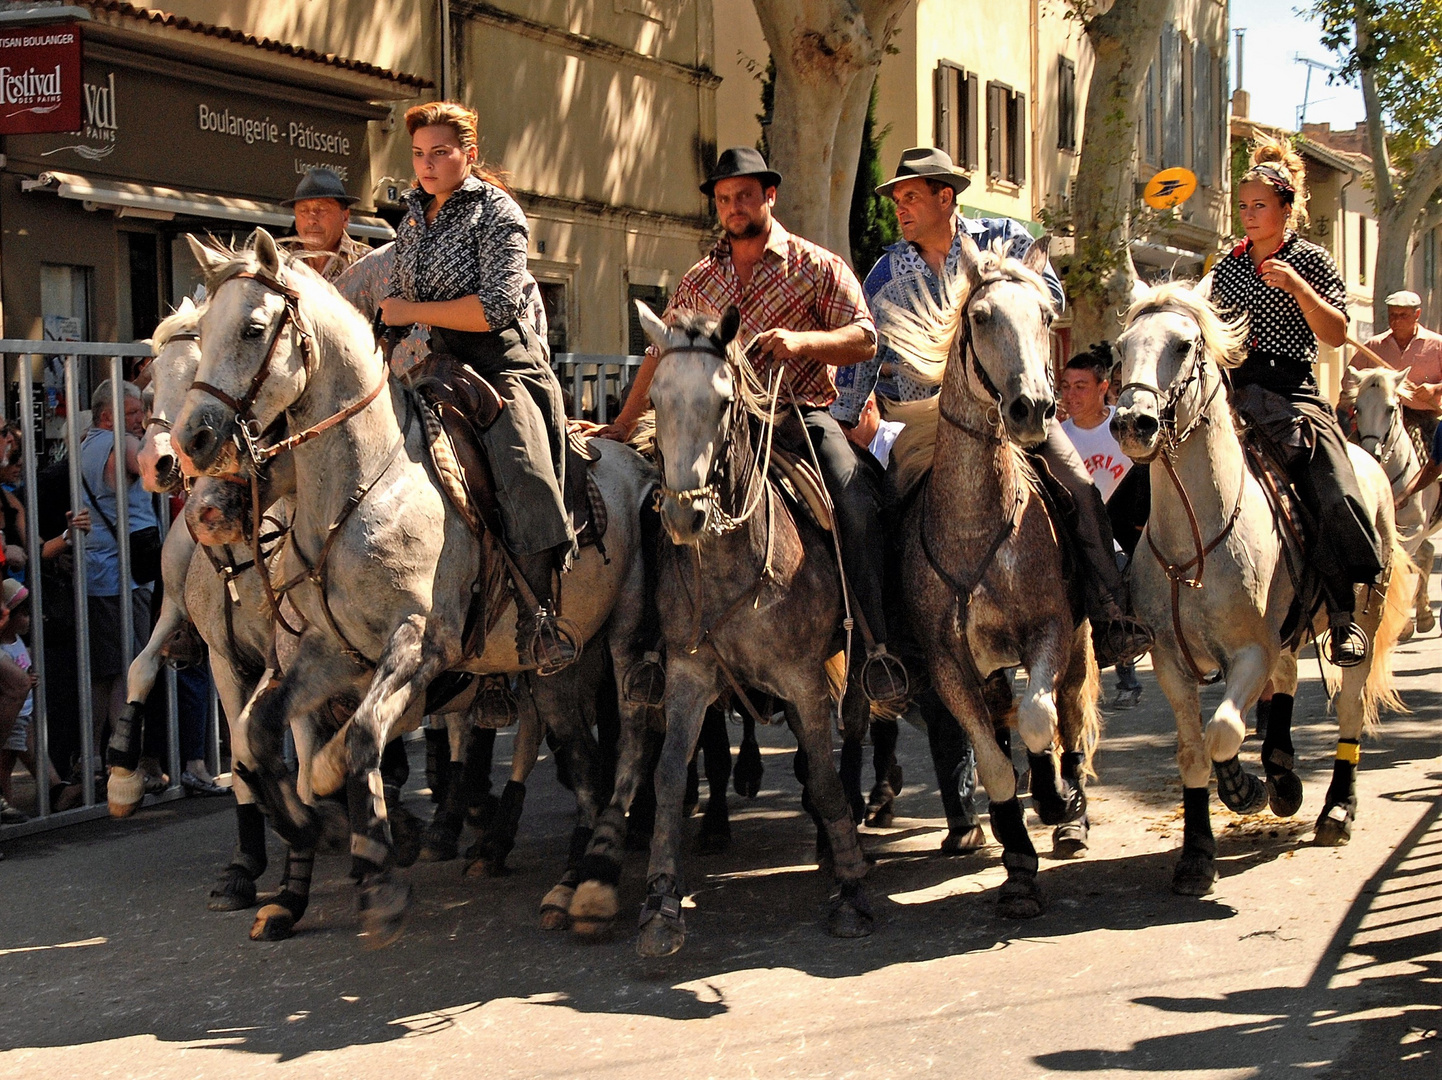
40,79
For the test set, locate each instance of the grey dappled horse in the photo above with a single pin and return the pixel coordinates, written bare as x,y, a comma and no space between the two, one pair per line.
378,569
1227,585
983,570
749,597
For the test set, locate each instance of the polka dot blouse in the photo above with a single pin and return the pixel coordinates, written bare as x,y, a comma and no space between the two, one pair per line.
1282,347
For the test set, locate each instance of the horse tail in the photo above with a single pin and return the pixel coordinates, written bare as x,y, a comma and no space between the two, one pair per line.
1091,710
836,676
1380,690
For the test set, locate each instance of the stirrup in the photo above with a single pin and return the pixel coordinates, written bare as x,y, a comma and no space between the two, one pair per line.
1347,644
645,682
884,680
552,644
495,704
1121,641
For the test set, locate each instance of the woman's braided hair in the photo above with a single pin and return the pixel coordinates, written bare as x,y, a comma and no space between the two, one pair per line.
462,121
1276,164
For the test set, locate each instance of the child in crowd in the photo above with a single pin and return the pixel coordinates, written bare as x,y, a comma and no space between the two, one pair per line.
19,744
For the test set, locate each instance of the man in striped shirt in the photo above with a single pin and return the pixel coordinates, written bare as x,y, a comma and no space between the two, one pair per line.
803,307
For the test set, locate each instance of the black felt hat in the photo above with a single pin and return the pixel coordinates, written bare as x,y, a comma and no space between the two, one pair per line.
741,161
321,183
927,163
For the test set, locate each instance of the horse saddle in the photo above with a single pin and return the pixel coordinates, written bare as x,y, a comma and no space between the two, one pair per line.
802,485
1294,524
463,406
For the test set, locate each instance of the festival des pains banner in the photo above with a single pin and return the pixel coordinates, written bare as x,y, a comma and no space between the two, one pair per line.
40,79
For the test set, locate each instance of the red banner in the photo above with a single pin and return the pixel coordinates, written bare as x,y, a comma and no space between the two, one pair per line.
40,83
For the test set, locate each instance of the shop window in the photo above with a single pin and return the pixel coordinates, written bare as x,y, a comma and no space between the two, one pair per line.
1005,134
1066,105
956,105
65,302
655,297
553,298
144,284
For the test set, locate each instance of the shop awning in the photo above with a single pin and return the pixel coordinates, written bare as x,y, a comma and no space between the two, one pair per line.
149,201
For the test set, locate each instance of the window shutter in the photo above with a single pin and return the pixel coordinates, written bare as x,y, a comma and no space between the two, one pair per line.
1016,171
970,116
995,130
1066,105
940,87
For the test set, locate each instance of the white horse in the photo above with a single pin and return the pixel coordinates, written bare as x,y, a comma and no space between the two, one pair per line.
1211,577
380,569
1382,434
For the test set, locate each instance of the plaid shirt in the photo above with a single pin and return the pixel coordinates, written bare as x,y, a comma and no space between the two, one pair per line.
797,285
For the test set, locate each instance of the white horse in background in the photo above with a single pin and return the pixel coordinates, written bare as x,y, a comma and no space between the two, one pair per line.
1382,434
1212,579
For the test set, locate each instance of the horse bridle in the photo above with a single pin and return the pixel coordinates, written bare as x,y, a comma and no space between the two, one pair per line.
185,335
1388,440
249,431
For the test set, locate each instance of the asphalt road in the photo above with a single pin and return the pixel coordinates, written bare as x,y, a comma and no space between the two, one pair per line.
1305,961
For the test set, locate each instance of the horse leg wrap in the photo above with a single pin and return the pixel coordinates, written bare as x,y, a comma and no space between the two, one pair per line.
848,864
1343,788
438,755
602,868
501,838
395,765
480,803
1264,716
1277,746
127,734
1054,800
294,893
1008,825
1197,822
580,841
663,901
406,833
1242,792
371,844
851,778
250,838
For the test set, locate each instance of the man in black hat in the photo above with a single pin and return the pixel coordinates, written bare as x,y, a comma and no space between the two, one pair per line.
924,191
800,305
322,215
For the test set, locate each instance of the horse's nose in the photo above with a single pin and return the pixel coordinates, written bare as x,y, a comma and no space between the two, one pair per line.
200,437
684,520
1145,426
202,446
1027,411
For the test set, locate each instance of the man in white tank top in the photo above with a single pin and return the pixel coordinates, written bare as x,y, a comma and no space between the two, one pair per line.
1084,386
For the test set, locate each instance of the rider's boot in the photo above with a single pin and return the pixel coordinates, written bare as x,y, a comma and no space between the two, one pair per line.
1117,638
542,637
1346,641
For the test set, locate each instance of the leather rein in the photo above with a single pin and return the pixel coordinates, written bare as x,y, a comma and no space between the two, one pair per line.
1187,573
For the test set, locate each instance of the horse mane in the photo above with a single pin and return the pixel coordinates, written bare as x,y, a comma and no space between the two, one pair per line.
1369,377
240,258
177,322
1224,339
923,330
751,392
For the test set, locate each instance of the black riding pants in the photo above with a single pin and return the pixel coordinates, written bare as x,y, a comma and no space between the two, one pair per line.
525,446
858,500
1093,527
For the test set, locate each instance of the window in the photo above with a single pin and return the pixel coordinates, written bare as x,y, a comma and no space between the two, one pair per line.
1203,120
1005,134
1149,117
65,302
1170,86
955,96
1066,105
553,299
655,297
1361,250
143,282
1429,259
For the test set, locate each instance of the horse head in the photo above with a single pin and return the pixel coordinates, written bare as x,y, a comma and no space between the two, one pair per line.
694,392
177,355
253,357
1377,408
1171,335
994,317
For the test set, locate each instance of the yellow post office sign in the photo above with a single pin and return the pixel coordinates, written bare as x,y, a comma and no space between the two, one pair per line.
1169,188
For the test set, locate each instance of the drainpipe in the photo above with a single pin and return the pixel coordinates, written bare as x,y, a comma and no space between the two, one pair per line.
447,90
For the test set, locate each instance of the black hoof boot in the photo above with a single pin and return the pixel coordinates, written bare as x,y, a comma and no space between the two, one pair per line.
748,772
849,913
1069,839
1240,791
1196,870
1284,789
663,926
1055,800
1019,896
234,889
1334,827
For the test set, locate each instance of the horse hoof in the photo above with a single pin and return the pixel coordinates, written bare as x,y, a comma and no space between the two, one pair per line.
384,900
963,841
850,915
438,846
659,938
124,792
1069,841
1426,622
594,909
234,891
881,817
1334,827
1019,897
1407,632
556,908
1241,792
1284,794
713,841
273,923
1195,874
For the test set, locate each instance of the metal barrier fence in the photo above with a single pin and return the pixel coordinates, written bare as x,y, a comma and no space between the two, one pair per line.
77,359
590,378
